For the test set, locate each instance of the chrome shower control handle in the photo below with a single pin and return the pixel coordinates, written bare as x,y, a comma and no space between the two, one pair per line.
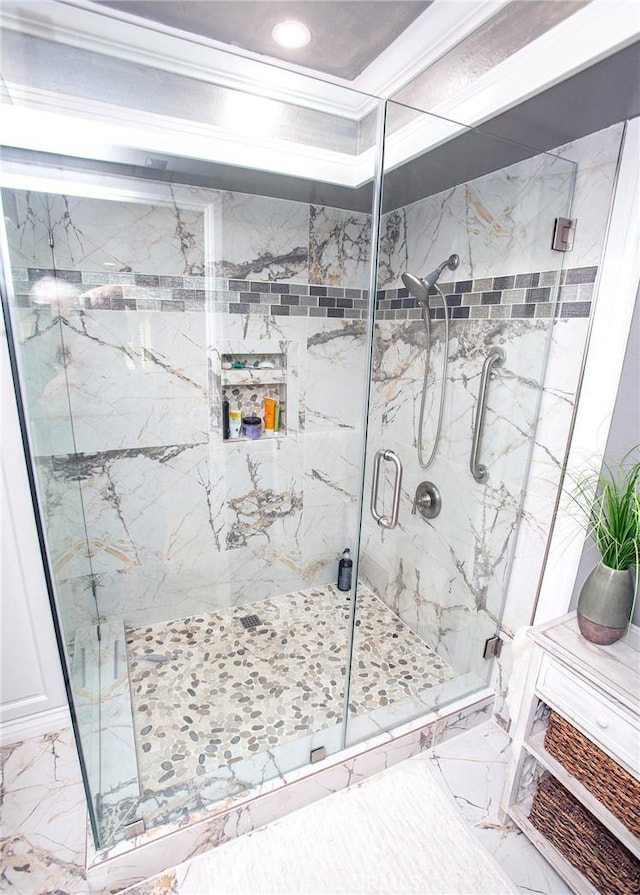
427,500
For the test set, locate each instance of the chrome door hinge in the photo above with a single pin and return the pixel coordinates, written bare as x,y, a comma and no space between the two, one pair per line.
564,232
492,647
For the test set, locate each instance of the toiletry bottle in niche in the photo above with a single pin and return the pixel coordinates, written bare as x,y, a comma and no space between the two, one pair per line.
345,569
235,422
269,415
226,432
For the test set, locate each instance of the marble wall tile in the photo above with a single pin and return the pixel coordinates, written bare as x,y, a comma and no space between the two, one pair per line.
596,157
138,505
339,247
335,375
332,466
553,428
27,227
75,601
41,355
260,238
95,234
447,576
328,529
125,380
260,490
161,590
500,223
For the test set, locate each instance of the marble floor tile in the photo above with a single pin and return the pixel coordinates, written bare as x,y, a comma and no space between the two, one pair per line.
469,771
471,768
43,816
395,832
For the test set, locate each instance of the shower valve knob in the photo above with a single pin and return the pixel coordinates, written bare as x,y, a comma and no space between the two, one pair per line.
427,500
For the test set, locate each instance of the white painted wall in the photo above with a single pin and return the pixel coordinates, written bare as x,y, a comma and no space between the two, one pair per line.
624,434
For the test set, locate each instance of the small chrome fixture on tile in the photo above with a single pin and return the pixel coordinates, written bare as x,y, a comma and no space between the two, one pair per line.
427,500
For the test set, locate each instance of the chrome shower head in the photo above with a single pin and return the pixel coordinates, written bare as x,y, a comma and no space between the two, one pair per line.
419,287
416,287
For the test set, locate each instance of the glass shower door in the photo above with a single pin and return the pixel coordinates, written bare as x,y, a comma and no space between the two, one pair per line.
441,574
180,292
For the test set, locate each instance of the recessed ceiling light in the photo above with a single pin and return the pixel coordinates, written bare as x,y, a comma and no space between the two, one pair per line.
291,34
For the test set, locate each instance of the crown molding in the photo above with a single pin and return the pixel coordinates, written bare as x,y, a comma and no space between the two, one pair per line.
597,30
88,26
49,122
440,28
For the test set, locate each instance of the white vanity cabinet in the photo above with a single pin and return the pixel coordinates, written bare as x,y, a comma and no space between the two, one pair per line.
597,690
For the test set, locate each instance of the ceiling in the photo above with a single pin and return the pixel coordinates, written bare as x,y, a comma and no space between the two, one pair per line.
347,35
126,60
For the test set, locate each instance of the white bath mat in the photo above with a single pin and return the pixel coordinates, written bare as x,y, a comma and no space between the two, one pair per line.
397,832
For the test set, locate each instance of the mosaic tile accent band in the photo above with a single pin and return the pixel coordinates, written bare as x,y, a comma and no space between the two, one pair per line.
520,296
149,292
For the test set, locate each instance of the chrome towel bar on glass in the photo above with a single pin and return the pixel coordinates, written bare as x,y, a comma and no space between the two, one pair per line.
386,521
495,358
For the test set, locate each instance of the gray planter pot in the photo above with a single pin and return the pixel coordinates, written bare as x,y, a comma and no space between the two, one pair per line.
605,604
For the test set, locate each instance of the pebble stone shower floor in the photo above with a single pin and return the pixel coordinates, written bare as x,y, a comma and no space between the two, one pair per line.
212,692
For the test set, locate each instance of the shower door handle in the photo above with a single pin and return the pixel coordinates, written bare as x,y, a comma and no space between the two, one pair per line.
386,521
495,358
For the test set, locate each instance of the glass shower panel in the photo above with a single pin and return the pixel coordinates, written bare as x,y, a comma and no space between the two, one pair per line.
442,575
36,302
187,288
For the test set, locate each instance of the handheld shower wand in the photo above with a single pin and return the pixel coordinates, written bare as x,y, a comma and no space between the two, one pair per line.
419,288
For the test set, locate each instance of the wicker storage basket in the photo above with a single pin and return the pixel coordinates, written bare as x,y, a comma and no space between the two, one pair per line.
612,786
583,841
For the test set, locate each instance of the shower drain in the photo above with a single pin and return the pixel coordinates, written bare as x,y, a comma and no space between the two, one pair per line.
250,621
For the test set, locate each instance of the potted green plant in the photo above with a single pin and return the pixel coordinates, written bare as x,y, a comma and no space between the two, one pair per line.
610,505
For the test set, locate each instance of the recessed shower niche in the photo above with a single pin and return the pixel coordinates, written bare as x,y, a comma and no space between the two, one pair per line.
248,372
247,379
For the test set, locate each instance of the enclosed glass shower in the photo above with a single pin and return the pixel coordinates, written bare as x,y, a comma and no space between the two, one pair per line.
193,573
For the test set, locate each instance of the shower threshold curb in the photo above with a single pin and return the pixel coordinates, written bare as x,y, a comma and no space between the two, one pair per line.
152,852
